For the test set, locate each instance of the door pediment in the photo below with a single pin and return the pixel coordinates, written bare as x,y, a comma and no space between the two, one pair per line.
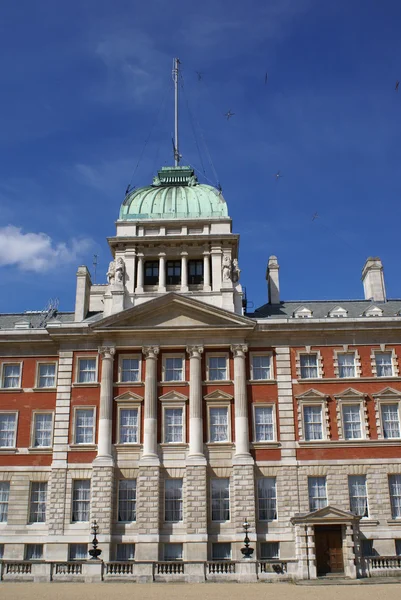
328,514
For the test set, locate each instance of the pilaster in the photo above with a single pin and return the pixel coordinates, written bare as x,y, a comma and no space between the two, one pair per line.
147,514
243,501
102,508
285,405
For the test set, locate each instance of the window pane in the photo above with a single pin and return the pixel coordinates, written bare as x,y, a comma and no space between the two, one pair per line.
80,500
218,424
47,375
367,547
84,426
308,364
33,551
384,364
172,551
260,367
129,369
4,495
391,421
313,422
43,430
78,551
11,376
220,499
352,422
87,370
346,365
358,495
264,431
125,552
398,547
173,425
267,499
221,551
127,500
173,500
217,368
173,369
395,495
269,550
8,423
1,551
129,426
317,493
37,507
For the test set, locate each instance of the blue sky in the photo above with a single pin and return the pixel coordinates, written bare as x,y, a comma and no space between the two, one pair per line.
84,82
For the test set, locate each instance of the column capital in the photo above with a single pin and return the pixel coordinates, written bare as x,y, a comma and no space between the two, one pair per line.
107,352
150,351
206,253
195,351
184,252
239,350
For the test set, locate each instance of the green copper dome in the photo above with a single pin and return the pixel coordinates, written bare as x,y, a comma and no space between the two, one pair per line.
175,194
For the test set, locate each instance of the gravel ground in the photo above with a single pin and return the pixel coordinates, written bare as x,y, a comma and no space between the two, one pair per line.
209,591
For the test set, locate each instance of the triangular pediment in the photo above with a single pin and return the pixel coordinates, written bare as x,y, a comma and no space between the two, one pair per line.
349,393
373,311
174,311
302,312
326,514
173,396
338,311
388,393
311,395
218,395
128,397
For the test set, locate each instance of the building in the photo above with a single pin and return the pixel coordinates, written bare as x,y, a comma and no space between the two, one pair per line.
165,412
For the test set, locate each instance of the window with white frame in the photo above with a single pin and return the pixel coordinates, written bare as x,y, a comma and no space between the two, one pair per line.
260,367
172,552
33,551
42,430
46,377
81,490
130,369
173,425
317,493
4,496
218,424
309,367
84,426
221,551
220,488
352,421
313,422
358,495
173,368
37,502
390,414
78,551
125,552
346,365
269,550
217,368
384,364
267,503
128,426
173,500
11,375
394,482
127,500
8,429
264,424
87,370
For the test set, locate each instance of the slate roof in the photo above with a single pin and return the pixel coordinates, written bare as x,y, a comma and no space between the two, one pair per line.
8,320
321,308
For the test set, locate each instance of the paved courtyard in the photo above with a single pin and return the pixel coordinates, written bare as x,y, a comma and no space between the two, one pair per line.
210,591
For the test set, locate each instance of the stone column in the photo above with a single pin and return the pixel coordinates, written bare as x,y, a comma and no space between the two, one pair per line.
195,405
162,272
130,269
139,281
150,421
241,405
104,446
206,272
348,552
184,271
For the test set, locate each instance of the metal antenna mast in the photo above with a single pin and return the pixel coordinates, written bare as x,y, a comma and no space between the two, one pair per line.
177,156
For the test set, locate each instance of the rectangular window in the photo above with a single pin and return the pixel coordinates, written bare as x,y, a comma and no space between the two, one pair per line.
218,417
317,493
8,430
309,367
313,422
269,550
173,500
125,552
367,547
173,272
84,425
260,367
390,421
264,428
130,370
128,426
33,551
127,500
86,370
4,496
46,375
43,429
358,495
395,495
346,365
151,272
78,551
398,547
11,376
37,504
352,422
172,552
220,499
217,368
173,369
267,499
81,490
173,426
384,364
221,551
195,272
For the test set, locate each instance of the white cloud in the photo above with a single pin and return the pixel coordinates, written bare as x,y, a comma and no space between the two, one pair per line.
37,251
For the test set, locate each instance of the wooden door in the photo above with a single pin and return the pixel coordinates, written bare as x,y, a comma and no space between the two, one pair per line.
329,552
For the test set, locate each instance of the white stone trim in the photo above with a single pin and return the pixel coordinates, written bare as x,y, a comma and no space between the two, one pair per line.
37,378
174,404
137,356
313,398
16,413
221,403
128,405
35,412
352,397
319,361
213,355
74,420
254,353
394,360
173,355
10,363
82,356
271,405
357,362
386,396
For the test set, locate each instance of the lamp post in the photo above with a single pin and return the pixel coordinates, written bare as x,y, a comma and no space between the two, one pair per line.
246,550
95,552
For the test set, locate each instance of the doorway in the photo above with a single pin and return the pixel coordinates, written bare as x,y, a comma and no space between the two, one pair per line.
329,549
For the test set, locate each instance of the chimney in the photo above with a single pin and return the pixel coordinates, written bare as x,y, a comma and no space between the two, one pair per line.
373,280
84,284
273,286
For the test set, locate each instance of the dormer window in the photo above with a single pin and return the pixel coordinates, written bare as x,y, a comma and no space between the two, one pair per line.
302,313
151,272
338,311
373,311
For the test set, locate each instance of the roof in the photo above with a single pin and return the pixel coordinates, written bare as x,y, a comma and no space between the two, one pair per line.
321,308
34,319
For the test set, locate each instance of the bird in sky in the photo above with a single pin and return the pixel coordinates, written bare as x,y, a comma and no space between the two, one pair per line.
199,74
397,83
277,175
315,216
229,114
266,77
